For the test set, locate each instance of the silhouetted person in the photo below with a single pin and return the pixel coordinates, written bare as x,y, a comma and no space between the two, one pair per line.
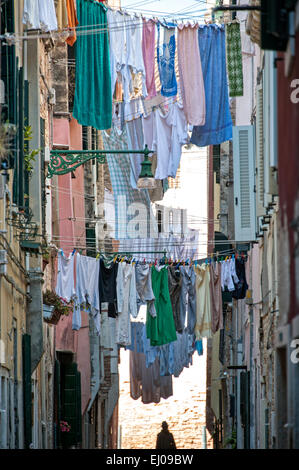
165,439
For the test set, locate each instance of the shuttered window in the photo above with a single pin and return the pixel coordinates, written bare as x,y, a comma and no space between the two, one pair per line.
26,350
71,404
270,127
243,153
260,187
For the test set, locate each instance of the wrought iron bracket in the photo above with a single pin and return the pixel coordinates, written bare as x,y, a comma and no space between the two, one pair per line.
237,8
66,161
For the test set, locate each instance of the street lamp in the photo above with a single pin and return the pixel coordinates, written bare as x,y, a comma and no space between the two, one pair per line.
146,179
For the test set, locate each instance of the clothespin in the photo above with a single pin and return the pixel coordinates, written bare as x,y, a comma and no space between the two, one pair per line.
226,258
156,262
98,255
74,251
61,251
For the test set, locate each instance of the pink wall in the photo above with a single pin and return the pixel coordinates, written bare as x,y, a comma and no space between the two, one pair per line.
72,232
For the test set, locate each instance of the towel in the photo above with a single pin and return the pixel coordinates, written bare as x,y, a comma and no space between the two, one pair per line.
191,77
234,59
218,126
93,98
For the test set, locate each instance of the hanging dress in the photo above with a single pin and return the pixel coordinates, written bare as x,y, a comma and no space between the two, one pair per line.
161,329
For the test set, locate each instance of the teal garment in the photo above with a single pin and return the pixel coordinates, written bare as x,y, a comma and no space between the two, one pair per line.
93,98
161,329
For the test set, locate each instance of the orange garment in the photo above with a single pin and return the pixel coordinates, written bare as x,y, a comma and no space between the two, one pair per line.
118,91
73,21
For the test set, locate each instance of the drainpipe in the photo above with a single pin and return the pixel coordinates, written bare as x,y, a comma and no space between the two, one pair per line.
204,437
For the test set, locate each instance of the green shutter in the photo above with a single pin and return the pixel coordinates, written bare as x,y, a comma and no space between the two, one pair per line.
79,416
245,406
26,144
71,405
20,146
43,173
26,349
57,378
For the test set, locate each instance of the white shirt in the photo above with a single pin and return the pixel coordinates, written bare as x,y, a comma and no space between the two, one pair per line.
87,285
40,14
126,302
165,134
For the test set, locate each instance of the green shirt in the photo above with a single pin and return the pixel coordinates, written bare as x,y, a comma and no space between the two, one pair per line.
161,329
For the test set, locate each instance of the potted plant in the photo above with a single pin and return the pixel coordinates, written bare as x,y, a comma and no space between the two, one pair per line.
54,306
46,258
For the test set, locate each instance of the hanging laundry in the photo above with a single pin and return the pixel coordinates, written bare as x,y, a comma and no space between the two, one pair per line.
166,61
117,41
134,56
135,142
148,50
145,294
191,78
72,22
65,286
188,298
47,15
134,109
241,286
203,327
93,99
165,134
182,356
199,347
175,291
126,302
40,14
218,126
228,275
124,194
234,59
137,337
61,14
161,329
216,297
107,287
147,382
87,286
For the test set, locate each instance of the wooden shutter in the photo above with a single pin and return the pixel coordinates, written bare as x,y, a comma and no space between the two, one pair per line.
57,388
71,404
245,406
26,349
243,150
259,173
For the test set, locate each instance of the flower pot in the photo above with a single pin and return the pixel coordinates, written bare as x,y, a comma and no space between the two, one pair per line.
51,315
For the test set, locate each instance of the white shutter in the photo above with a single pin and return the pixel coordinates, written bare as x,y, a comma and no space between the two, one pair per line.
243,148
270,129
259,173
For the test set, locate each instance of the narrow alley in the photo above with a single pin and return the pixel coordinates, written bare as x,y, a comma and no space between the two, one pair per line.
149,226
